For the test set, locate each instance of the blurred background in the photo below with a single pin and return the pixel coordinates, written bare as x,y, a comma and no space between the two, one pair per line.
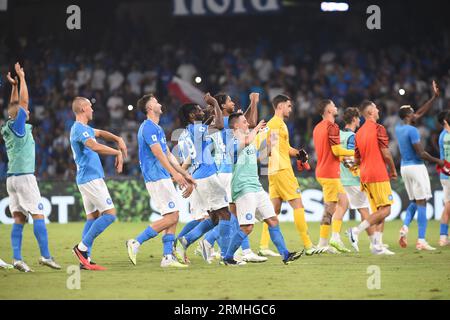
127,48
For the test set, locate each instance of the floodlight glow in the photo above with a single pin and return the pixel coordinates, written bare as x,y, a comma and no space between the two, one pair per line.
198,79
130,107
334,6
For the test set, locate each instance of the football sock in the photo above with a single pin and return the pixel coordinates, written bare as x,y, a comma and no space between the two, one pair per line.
361,227
302,227
16,240
167,241
324,234
410,212
422,221
443,229
265,237
235,243
212,235
225,231
147,234
376,237
202,228
188,227
40,232
336,229
96,229
245,245
86,228
277,238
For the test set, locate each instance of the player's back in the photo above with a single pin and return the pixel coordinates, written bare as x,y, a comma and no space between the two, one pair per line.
328,165
372,167
407,136
150,133
89,166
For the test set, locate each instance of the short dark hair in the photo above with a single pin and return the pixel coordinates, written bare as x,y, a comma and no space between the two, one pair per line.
323,105
405,111
279,99
363,106
221,99
185,112
142,102
350,114
443,115
233,118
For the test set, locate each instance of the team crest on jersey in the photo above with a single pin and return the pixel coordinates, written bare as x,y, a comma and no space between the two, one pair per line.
390,197
171,205
248,216
108,201
40,206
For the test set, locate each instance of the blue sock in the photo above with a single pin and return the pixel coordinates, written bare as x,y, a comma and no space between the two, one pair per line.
16,240
410,212
212,236
225,232
86,228
202,228
444,229
277,238
188,227
245,243
168,240
147,234
422,221
97,228
40,232
235,242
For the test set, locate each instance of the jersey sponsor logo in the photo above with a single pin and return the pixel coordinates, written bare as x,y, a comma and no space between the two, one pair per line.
154,138
171,204
248,216
86,134
109,201
40,206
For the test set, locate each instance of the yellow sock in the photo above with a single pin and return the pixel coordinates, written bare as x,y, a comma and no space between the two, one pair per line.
265,237
302,227
324,231
336,226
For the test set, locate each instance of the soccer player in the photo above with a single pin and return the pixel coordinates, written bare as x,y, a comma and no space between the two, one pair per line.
413,170
444,148
350,179
99,208
329,151
373,155
283,185
21,185
158,164
222,141
210,194
252,202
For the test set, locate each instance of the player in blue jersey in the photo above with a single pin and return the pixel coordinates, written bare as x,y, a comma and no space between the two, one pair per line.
158,164
444,150
21,185
99,208
209,194
413,170
222,141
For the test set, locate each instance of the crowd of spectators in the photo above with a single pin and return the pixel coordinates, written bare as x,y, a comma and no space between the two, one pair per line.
116,79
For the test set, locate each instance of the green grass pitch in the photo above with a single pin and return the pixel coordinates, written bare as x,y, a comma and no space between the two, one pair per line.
407,275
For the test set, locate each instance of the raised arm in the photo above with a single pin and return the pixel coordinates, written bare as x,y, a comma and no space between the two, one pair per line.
246,139
108,136
23,98
427,106
14,87
251,114
218,116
